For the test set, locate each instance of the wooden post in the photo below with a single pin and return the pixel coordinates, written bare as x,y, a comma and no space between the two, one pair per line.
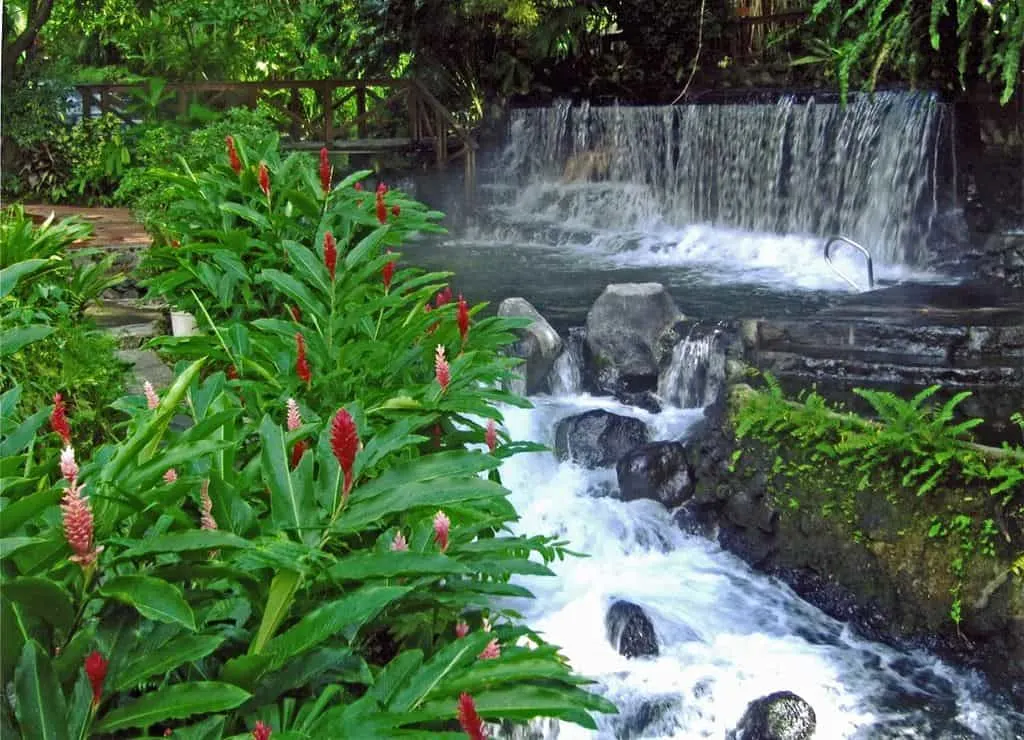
442,142
104,101
182,102
327,96
361,111
410,101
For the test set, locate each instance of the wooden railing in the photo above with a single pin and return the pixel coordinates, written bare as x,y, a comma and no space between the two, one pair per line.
752,24
355,116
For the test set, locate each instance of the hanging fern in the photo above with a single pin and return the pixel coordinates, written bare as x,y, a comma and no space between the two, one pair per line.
870,36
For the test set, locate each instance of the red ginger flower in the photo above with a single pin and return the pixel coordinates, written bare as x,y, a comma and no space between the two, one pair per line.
264,176
78,525
461,629
171,475
59,419
344,445
491,435
232,372
301,364
261,731
96,672
236,163
444,297
442,371
399,543
330,253
382,189
463,319
387,274
325,170
491,652
298,450
442,525
382,210
152,399
358,187
471,722
395,211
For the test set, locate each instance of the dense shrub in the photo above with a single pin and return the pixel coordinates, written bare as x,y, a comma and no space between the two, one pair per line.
320,545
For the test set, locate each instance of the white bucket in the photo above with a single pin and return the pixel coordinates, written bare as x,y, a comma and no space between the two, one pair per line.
183,324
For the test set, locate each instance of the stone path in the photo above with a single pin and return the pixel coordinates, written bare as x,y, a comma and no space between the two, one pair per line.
131,323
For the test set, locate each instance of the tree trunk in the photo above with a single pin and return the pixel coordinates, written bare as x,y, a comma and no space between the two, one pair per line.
38,14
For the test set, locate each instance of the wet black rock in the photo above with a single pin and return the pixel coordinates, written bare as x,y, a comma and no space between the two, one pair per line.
697,519
651,718
630,630
657,471
597,439
779,716
539,344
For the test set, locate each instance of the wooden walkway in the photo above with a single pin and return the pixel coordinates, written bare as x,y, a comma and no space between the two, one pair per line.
112,227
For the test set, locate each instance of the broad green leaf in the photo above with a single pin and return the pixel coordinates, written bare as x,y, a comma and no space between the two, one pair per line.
178,651
19,438
388,564
211,728
524,702
395,675
249,214
279,601
11,340
147,475
173,702
427,494
341,617
313,268
192,539
367,244
428,468
304,670
292,498
42,598
448,659
10,545
10,276
14,514
295,290
40,707
153,598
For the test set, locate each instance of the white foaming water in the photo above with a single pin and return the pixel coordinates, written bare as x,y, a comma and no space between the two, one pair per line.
727,635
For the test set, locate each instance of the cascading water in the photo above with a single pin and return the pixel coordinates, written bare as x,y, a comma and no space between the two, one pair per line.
696,372
726,634
867,171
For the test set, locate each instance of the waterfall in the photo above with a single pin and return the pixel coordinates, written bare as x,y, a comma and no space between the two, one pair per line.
566,377
868,171
696,373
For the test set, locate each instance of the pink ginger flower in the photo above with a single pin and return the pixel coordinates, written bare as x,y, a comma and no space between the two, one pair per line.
236,163
171,475
294,419
264,177
442,371
96,671
344,445
325,170
442,525
399,543
461,629
59,419
358,187
330,253
491,435
206,520
472,723
78,526
261,731
152,399
462,317
492,651
68,466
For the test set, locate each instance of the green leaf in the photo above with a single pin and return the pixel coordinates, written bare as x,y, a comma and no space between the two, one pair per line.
11,340
395,675
365,566
15,514
10,545
279,601
448,659
192,539
292,498
343,616
40,707
9,276
43,598
178,651
173,702
148,475
17,440
249,214
152,597
524,702
365,245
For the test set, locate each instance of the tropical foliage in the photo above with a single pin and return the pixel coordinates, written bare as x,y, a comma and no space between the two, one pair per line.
306,534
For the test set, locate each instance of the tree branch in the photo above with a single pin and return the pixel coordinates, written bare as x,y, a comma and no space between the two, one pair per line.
36,20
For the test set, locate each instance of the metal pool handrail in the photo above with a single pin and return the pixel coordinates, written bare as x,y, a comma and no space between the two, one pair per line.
859,248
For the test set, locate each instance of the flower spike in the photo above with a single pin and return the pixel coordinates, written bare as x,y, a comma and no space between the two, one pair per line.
236,163
264,177
330,253
399,543
462,318
59,419
325,170
152,399
442,371
472,723
491,436
78,526
301,363
96,672
442,526
344,445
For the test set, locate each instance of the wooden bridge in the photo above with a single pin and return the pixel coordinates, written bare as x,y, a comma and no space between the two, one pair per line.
368,116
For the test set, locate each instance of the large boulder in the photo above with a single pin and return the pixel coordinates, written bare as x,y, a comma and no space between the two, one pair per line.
630,630
597,439
539,344
657,471
779,716
623,330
